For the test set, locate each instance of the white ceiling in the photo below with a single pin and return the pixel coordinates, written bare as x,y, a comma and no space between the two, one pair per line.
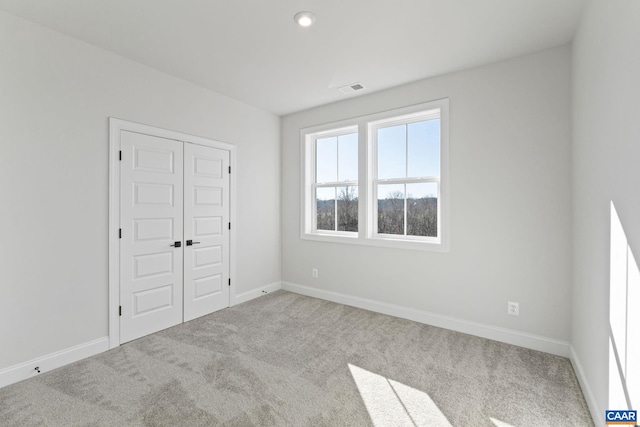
251,50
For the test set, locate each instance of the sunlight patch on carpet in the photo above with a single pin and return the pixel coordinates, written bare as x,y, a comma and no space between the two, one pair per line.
499,423
392,403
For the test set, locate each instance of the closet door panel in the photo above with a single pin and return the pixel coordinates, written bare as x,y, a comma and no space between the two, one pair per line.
151,219
206,230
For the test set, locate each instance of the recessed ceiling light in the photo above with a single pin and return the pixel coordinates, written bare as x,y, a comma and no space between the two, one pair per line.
305,19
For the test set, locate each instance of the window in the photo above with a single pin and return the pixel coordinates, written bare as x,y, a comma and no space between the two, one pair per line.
336,181
378,180
406,176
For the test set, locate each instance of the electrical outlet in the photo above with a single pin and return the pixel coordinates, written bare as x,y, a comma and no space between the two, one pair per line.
314,273
513,308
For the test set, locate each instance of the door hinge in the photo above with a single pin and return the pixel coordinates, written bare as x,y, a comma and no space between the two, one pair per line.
229,226
229,281
120,311
120,233
120,155
229,169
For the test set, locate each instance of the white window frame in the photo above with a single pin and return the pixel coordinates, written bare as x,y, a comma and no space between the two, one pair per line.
375,181
367,169
335,184
310,180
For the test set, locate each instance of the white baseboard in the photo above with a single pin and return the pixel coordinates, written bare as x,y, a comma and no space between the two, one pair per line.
255,293
26,370
521,339
594,408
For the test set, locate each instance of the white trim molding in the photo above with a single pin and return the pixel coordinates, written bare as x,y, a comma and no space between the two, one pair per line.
509,336
596,413
49,362
255,293
115,127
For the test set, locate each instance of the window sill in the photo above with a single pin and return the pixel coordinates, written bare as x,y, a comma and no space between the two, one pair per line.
383,242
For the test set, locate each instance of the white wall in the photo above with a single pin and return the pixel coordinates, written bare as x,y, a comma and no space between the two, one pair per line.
606,169
510,202
56,95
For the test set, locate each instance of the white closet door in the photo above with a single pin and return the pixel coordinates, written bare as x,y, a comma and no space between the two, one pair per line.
151,217
206,228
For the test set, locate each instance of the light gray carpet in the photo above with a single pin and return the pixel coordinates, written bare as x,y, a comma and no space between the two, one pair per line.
289,360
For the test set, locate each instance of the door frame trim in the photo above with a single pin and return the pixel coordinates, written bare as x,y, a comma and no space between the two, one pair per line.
115,127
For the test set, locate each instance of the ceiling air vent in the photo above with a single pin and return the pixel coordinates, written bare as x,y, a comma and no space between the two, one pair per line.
351,88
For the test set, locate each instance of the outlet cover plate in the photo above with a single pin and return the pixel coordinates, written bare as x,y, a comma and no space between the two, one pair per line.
513,308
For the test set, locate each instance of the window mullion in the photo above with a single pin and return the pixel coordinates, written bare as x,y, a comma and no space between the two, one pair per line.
406,174
408,180
406,151
374,208
363,181
337,158
335,208
405,210
337,184
314,209
373,203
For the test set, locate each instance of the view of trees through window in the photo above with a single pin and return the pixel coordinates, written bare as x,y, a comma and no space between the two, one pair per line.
421,214
337,213
337,176
341,212
403,187
408,175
